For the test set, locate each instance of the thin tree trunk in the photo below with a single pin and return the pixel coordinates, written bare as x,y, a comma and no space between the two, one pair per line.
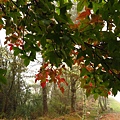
101,105
45,106
105,103
73,95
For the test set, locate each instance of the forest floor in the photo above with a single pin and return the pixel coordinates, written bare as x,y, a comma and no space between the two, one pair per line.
112,114
75,116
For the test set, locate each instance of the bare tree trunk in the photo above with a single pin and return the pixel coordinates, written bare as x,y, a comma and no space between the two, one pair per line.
45,106
103,103
73,95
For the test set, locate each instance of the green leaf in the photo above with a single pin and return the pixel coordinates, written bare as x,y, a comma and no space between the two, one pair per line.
43,41
96,96
96,6
69,62
26,62
32,55
83,72
3,79
57,9
114,91
1,22
59,18
21,2
80,5
45,4
2,71
16,51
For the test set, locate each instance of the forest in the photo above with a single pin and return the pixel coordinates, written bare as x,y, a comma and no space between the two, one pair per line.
78,41
21,100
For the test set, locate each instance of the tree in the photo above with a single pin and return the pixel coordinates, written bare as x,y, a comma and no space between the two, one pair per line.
51,31
11,93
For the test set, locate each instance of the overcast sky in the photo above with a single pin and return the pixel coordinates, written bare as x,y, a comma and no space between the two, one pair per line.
2,36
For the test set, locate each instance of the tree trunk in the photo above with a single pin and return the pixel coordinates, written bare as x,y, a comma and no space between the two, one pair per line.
13,69
45,106
73,95
103,103
4,109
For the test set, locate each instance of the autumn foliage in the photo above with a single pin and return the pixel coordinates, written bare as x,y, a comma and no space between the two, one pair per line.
46,27
48,73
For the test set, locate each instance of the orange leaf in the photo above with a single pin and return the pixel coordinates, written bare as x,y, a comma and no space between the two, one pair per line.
89,68
96,19
84,14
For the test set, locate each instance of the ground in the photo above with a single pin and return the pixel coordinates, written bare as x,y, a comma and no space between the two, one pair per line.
108,116
111,116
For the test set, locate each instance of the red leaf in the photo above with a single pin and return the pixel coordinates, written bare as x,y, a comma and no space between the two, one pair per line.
36,80
110,71
17,44
47,73
58,77
45,65
62,89
90,84
109,93
43,84
36,77
10,44
85,77
63,80
11,48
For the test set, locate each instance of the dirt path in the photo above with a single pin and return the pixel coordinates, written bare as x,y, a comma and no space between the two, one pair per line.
111,116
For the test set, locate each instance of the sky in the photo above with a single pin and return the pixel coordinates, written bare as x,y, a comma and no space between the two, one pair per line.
2,36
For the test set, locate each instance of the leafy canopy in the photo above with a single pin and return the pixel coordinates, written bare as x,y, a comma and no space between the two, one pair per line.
45,26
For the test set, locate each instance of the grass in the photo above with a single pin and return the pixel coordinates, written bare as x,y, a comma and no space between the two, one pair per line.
92,108
115,105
